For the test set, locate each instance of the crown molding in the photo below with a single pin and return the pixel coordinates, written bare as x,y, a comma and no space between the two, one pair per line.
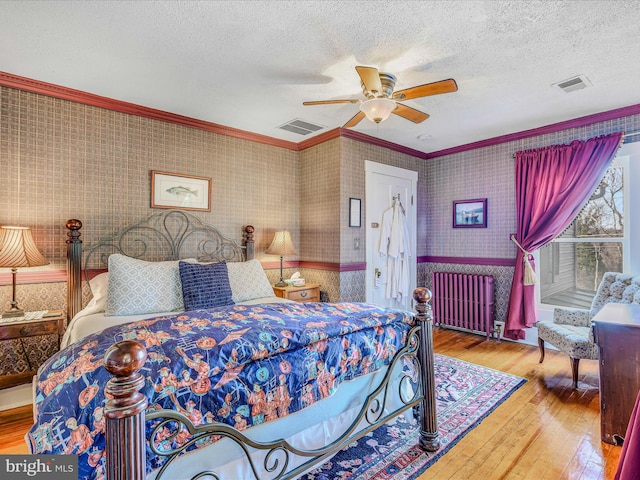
320,138
361,137
64,93
547,129
78,96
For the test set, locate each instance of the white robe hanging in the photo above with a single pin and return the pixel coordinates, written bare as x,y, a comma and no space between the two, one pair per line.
394,244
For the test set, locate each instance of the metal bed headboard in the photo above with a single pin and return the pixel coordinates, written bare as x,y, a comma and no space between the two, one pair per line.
168,235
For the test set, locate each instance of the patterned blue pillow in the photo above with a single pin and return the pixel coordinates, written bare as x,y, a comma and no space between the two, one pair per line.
205,285
135,286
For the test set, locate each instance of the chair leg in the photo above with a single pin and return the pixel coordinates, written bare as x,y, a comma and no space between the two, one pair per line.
574,371
541,345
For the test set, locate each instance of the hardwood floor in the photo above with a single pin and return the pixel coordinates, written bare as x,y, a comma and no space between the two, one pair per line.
544,431
14,424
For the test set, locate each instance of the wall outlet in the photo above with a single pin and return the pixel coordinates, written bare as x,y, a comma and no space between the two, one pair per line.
498,329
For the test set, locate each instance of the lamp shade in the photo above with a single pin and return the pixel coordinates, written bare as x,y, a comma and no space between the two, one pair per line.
281,244
378,109
17,248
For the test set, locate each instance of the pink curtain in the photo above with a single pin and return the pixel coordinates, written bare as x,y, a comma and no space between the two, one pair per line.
552,185
629,462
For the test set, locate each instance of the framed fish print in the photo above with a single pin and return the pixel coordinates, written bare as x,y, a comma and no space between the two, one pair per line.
470,213
184,192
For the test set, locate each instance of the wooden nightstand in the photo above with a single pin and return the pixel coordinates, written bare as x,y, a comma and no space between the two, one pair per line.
33,324
306,293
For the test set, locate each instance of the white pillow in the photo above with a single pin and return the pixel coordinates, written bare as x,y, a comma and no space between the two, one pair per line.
136,286
248,281
98,285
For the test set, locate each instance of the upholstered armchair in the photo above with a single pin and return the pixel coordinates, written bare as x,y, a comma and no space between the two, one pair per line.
571,330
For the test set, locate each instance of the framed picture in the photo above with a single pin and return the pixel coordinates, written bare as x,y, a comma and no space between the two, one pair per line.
185,192
355,212
470,213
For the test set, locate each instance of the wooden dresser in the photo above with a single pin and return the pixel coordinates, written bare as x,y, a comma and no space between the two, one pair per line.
306,293
617,333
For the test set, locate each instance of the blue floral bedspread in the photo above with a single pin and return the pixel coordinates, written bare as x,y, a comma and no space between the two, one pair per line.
241,365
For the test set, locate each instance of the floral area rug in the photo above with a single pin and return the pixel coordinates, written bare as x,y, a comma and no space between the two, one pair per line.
466,394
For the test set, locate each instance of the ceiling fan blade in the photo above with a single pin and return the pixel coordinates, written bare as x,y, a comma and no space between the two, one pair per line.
326,102
370,79
428,89
416,116
354,120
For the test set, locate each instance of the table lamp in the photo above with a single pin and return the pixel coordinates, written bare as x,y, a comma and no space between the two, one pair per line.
281,245
17,249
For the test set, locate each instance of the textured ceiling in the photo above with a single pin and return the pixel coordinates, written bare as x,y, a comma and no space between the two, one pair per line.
250,65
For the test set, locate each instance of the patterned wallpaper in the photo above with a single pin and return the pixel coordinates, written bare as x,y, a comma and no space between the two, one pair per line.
489,173
64,160
330,174
354,153
319,177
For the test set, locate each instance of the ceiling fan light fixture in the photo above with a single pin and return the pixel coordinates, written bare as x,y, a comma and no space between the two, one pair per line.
378,109
381,100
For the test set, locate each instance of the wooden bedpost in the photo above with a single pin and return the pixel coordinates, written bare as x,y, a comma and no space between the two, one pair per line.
124,412
74,268
428,415
248,242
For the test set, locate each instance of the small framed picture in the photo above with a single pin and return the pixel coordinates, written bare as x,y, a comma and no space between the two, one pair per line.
470,213
184,192
355,212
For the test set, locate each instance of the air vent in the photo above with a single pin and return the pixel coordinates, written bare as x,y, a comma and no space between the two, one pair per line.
300,127
572,84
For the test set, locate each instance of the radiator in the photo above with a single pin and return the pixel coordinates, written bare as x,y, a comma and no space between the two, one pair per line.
464,301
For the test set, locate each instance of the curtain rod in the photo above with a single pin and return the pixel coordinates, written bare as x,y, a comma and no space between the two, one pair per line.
625,134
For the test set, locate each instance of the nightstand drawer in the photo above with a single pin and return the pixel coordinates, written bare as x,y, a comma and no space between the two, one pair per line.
28,329
306,293
33,324
310,295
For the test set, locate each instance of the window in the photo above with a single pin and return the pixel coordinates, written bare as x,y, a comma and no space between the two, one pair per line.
571,266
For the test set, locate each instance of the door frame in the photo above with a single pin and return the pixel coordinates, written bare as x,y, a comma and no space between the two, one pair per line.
372,168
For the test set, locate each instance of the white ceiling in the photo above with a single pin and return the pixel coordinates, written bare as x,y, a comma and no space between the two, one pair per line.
251,64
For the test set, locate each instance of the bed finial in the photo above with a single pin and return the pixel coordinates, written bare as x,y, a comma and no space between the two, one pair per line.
422,295
428,419
74,225
248,242
74,268
124,359
124,413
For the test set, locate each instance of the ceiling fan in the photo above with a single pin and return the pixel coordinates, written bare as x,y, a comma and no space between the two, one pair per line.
382,101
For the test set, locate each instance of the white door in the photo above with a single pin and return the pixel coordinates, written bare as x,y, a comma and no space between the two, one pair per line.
382,183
